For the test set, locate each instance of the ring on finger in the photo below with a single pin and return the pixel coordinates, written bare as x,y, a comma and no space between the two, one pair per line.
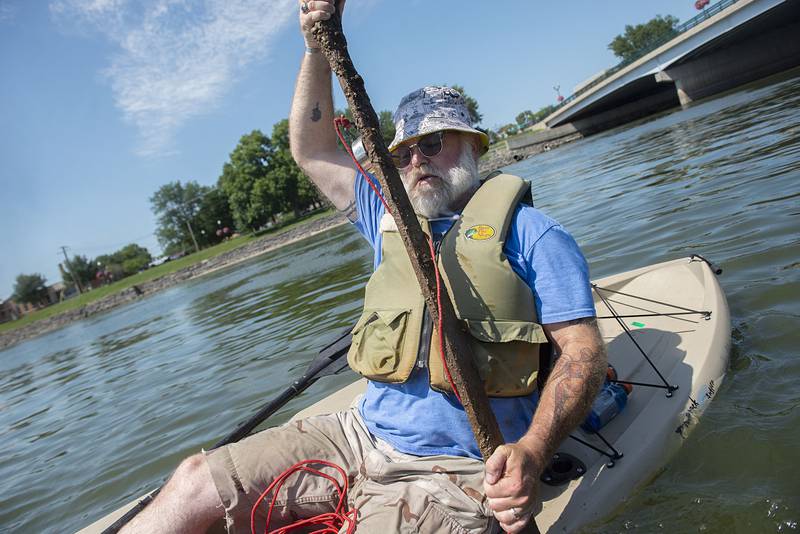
517,511
304,7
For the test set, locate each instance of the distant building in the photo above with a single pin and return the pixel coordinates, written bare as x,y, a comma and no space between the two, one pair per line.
8,312
55,292
11,311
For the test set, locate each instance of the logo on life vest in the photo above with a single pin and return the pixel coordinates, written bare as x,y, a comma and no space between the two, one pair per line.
479,232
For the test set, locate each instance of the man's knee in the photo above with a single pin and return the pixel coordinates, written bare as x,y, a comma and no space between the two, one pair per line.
193,478
189,502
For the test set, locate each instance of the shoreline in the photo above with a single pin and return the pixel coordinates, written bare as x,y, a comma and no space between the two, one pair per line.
226,259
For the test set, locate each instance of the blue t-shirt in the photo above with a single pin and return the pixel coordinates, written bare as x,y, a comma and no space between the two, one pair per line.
416,419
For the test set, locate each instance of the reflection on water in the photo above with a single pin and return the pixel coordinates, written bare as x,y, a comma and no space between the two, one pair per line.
94,414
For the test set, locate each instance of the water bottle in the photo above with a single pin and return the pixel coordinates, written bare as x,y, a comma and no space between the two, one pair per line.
609,402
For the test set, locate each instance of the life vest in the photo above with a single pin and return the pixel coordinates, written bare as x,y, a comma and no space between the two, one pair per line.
496,307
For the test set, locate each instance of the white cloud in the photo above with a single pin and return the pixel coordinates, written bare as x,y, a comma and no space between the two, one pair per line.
176,58
8,11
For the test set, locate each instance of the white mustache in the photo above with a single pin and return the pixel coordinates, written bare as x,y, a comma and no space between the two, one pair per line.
415,176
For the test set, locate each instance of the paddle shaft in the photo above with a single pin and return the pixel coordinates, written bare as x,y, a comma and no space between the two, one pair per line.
328,357
457,350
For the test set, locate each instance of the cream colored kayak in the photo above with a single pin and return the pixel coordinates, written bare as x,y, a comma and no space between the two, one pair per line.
676,314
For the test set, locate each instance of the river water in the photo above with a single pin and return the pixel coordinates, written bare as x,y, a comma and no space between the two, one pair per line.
95,414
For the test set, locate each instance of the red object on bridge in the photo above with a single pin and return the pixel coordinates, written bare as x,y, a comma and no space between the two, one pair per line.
700,4
560,98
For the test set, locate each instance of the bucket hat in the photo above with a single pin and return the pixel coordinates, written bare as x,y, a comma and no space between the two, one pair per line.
432,109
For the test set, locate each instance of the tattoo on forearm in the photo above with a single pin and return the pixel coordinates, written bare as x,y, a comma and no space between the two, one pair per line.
575,380
316,114
572,376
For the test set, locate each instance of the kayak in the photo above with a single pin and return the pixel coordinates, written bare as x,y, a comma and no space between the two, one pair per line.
667,329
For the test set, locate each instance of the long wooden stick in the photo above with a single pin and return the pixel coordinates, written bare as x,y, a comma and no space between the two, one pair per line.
458,352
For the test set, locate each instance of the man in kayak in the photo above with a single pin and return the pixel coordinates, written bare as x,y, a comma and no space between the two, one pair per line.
518,280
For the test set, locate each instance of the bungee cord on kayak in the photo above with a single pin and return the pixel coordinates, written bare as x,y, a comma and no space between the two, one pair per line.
614,454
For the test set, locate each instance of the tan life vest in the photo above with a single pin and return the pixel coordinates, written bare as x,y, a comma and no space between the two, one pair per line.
496,307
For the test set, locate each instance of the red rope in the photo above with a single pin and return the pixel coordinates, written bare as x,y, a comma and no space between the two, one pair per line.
330,522
439,307
346,124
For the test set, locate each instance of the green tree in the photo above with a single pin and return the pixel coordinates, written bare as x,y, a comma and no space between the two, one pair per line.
472,105
245,182
283,174
30,288
296,189
543,112
385,123
387,126
525,118
507,130
79,267
214,214
128,260
176,205
642,38
134,258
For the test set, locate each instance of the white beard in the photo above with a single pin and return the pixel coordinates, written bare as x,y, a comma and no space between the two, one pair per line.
437,199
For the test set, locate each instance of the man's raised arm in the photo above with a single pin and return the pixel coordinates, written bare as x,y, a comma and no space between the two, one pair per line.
311,133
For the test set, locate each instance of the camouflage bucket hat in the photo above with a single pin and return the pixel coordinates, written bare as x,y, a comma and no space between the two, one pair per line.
432,109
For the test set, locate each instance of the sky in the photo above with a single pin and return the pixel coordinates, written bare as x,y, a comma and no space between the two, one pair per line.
104,101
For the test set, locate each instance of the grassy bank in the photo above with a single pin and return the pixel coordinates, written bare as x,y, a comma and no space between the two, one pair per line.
158,271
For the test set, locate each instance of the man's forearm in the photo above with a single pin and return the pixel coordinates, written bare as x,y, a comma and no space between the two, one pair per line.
312,136
571,388
310,128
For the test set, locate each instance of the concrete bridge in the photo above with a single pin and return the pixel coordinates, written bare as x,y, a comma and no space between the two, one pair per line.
742,41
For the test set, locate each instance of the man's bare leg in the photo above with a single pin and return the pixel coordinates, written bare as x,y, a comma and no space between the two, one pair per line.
189,502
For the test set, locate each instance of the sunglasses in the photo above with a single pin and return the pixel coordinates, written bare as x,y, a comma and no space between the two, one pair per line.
429,145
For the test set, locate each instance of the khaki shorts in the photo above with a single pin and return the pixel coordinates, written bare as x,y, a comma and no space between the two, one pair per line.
392,491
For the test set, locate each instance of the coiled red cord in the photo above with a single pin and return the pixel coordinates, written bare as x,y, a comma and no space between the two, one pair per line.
330,522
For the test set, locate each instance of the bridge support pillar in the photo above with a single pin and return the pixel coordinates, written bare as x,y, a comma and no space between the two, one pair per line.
683,95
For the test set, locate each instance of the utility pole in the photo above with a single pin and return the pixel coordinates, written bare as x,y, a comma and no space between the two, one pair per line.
191,233
71,272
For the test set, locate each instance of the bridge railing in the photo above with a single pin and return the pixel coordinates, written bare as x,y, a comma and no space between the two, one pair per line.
679,29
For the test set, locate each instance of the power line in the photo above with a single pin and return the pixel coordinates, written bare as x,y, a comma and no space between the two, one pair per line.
115,245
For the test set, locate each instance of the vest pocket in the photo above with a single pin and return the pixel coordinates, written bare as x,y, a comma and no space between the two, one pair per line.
507,355
377,345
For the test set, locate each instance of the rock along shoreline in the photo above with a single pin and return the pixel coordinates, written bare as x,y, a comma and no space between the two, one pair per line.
226,259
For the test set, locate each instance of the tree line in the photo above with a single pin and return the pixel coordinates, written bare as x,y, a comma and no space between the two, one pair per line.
80,273
260,185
